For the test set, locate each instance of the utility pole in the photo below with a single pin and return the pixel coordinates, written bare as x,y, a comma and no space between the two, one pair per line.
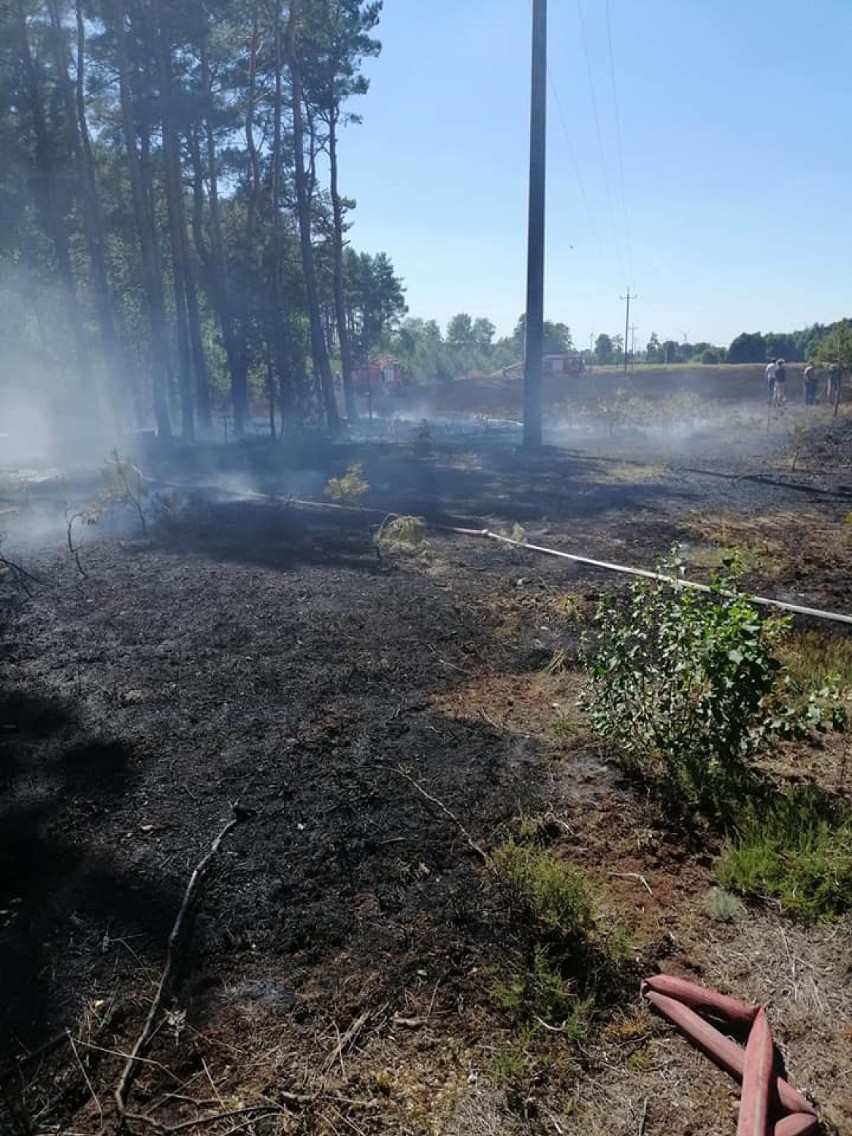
632,346
535,239
628,298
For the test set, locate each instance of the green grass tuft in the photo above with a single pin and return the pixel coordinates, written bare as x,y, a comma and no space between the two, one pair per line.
796,849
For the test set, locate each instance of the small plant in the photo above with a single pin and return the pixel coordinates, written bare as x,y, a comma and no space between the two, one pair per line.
89,515
401,532
723,906
564,727
126,486
535,991
543,890
797,848
686,688
559,662
351,488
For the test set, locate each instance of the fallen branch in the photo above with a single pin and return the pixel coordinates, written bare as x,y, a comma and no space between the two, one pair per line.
634,876
20,575
134,1059
471,843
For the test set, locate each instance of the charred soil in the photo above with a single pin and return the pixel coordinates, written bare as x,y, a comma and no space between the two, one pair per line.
340,968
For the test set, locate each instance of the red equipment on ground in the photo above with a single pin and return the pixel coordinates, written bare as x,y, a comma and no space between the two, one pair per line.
766,1097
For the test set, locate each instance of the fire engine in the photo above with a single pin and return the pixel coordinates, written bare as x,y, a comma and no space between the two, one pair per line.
380,375
570,363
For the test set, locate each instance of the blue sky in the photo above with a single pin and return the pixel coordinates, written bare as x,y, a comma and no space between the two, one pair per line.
714,177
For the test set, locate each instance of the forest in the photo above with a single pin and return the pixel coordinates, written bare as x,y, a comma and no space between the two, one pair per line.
175,235
173,220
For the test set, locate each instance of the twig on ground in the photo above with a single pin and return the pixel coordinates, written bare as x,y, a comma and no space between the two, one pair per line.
346,1041
212,1118
89,1085
132,1064
471,843
635,876
643,1118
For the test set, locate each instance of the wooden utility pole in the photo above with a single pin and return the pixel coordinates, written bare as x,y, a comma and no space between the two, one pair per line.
628,298
535,241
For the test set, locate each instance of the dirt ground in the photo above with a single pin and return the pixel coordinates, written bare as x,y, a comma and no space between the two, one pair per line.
339,967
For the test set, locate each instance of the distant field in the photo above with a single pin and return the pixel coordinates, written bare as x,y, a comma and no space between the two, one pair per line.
723,383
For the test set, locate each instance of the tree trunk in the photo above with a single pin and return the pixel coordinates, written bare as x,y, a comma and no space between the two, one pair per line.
176,218
49,207
77,130
147,236
318,351
346,361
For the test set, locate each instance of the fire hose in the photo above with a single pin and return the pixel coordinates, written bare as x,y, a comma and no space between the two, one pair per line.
484,533
765,1095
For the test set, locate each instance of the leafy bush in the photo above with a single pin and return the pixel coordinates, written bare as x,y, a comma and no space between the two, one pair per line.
796,847
543,890
686,688
351,488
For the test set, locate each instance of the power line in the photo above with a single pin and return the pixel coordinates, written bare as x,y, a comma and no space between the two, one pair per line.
619,147
573,154
596,116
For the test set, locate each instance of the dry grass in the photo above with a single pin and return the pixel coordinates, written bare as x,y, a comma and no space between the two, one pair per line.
771,544
539,705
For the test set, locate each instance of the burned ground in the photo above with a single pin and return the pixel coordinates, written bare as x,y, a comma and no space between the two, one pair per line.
342,959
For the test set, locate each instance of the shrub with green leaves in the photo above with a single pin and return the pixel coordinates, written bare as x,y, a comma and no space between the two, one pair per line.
795,847
685,687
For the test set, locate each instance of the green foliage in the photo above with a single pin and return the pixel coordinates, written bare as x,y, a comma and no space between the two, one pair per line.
537,991
544,891
351,488
795,847
723,907
686,688
604,350
835,350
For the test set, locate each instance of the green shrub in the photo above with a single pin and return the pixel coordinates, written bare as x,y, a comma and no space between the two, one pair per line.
539,993
685,688
543,890
797,848
351,488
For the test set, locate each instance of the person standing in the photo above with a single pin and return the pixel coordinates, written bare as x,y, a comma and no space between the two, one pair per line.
780,382
770,381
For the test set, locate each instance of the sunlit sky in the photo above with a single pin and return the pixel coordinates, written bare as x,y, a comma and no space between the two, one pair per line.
709,168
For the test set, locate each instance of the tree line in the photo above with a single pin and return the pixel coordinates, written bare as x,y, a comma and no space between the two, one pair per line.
173,221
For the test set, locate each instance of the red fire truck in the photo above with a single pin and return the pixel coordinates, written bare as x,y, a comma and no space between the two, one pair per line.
381,375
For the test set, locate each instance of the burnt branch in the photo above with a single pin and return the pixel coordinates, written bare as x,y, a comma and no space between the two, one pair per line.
131,1066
